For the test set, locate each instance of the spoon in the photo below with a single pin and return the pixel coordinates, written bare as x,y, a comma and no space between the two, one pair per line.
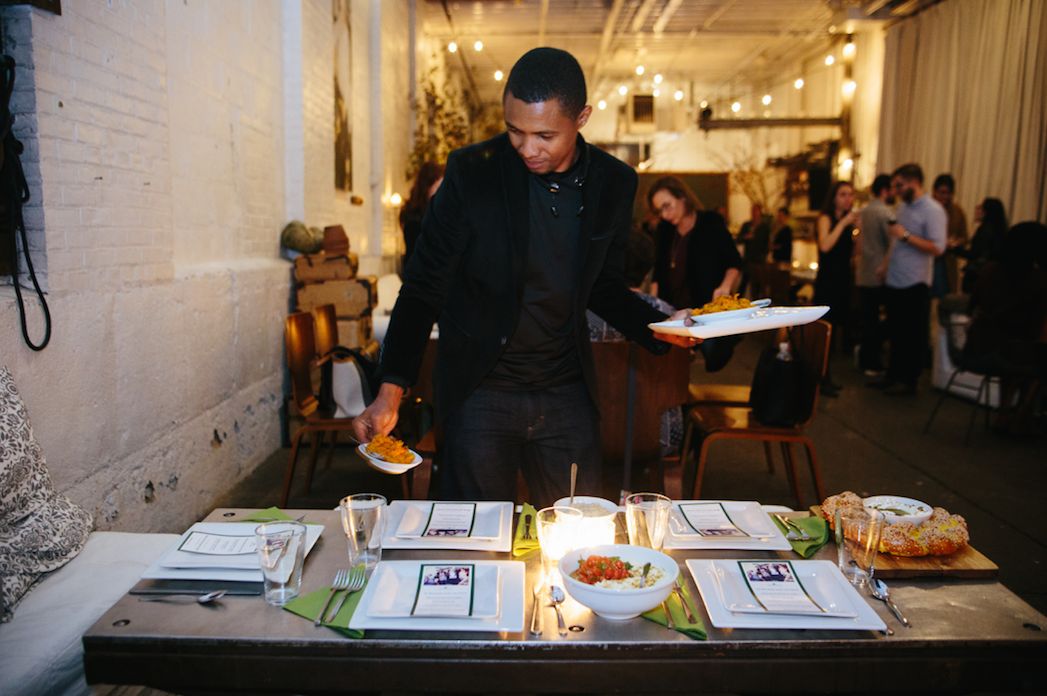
206,598
878,589
556,596
574,480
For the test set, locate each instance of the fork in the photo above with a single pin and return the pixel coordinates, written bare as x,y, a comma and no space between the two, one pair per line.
793,531
340,582
357,577
678,591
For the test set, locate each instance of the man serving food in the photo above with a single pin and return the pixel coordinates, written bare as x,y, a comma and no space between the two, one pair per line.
527,231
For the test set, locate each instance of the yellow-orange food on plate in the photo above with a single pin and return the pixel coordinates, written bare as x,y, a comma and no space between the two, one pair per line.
942,534
723,303
390,449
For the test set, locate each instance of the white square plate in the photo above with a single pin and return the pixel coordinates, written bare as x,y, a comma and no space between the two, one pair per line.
246,568
396,583
747,515
486,527
821,578
510,599
419,509
749,322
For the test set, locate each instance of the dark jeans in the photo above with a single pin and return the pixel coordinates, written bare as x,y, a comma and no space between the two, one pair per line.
870,352
497,433
908,318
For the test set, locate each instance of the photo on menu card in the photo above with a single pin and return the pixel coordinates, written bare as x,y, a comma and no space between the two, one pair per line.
444,590
776,587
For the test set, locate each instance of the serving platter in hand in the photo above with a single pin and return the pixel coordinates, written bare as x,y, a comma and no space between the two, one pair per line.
753,320
386,467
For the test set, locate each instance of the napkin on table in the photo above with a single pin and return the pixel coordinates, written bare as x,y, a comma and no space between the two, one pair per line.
521,546
270,514
308,606
695,631
816,528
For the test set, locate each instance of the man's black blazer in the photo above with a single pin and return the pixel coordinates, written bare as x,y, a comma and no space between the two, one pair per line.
468,267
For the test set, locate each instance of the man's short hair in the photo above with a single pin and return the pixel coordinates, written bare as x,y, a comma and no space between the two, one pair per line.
910,171
881,183
945,180
542,74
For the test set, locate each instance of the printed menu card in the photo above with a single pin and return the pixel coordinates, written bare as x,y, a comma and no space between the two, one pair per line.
711,520
450,520
217,544
776,588
445,590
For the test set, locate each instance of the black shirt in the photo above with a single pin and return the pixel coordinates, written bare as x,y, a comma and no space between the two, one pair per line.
543,350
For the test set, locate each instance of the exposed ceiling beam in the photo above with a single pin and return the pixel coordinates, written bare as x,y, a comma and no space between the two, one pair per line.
667,13
665,37
728,123
641,16
605,38
543,17
717,13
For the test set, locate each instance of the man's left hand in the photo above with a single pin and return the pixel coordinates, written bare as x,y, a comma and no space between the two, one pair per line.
682,341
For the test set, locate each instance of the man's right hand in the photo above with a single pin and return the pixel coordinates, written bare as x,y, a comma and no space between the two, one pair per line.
380,417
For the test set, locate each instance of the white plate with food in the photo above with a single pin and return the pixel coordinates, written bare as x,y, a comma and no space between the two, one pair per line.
709,313
389,455
406,519
722,587
609,579
756,320
896,508
747,515
394,584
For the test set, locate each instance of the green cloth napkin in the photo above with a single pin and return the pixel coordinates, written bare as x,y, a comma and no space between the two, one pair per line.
816,527
308,606
521,546
271,514
695,631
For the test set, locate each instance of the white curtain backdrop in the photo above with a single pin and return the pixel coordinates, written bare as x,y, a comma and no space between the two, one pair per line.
965,91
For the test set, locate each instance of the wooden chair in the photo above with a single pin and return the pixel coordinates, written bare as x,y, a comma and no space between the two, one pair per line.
301,358
732,422
653,384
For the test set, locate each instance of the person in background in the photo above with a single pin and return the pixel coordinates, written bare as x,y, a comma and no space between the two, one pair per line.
695,258
832,286
869,275
782,246
946,272
987,242
755,235
918,235
639,260
527,231
430,175
1009,338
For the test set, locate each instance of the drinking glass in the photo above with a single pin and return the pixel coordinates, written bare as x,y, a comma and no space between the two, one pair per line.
281,552
558,532
857,540
363,520
647,518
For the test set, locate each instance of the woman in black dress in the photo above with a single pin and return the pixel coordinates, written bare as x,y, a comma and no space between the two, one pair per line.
832,286
430,175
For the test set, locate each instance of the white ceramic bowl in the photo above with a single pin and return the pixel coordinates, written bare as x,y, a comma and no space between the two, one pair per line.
619,605
897,509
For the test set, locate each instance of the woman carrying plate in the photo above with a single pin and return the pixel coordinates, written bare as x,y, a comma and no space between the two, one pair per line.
695,258
832,286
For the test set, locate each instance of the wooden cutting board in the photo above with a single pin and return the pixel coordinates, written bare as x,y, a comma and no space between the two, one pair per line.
966,563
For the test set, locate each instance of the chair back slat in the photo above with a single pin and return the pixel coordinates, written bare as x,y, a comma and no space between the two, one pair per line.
813,346
325,329
301,352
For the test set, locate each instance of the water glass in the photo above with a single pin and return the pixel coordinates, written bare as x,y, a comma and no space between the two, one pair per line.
857,540
647,518
281,553
363,520
559,529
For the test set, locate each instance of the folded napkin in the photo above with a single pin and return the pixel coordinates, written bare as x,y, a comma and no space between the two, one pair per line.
308,606
521,546
816,528
270,514
695,631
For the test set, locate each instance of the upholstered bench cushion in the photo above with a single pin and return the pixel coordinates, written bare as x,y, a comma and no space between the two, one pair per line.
40,648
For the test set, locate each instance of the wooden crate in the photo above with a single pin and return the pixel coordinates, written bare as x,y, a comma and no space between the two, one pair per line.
318,268
352,299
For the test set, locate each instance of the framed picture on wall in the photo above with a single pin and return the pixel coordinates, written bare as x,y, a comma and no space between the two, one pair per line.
343,93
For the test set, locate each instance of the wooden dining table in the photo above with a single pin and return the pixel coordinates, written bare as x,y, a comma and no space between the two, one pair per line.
966,636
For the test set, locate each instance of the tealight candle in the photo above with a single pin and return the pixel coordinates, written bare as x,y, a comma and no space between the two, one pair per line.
558,531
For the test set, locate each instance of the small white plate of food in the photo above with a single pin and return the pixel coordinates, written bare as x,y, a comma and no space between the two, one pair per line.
389,455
